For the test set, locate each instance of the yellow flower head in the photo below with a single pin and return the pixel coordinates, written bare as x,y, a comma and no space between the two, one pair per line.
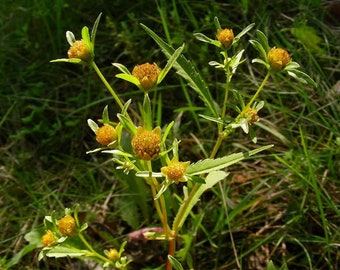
67,225
251,115
112,254
106,135
79,50
278,58
175,171
146,144
226,37
48,239
147,75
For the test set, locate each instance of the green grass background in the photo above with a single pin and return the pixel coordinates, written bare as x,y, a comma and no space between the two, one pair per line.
287,201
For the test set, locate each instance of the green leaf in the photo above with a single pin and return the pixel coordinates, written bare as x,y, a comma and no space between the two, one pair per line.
259,47
204,38
18,256
243,32
94,29
127,123
217,23
86,37
70,38
263,40
105,115
122,68
146,114
271,266
187,70
209,165
212,178
129,78
169,64
301,76
61,251
175,263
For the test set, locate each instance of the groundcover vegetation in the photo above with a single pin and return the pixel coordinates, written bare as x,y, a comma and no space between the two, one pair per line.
240,165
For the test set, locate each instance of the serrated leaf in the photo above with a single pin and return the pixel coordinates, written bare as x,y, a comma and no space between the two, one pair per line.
209,165
186,70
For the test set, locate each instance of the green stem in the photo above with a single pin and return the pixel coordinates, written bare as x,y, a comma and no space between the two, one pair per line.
108,86
256,94
94,253
159,203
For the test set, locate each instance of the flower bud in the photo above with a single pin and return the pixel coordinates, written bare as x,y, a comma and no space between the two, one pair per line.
251,115
175,170
278,58
226,37
147,74
106,135
79,50
112,254
67,225
146,143
48,239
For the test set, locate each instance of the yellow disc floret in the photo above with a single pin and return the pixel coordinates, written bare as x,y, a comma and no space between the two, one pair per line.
146,143
226,37
278,58
175,171
48,239
67,225
112,254
106,135
147,75
79,50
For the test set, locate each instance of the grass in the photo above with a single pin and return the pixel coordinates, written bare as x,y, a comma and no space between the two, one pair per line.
282,207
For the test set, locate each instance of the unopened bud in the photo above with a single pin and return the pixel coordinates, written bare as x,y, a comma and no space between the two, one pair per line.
278,58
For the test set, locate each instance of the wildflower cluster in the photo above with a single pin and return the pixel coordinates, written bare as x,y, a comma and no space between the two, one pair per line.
62,234
146,150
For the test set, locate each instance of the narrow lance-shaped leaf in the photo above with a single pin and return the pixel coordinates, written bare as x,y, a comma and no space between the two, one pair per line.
186,69
170,63
94,29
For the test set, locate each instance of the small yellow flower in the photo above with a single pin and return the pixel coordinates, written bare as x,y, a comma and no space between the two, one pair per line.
226,37
67,225
106,135
79,50
146,144
112,254
48,239
147,75
278,58
175,171
251,115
